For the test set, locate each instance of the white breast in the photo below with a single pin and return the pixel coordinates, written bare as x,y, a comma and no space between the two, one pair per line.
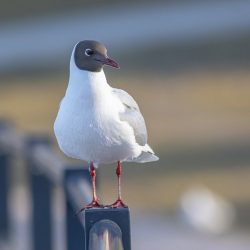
88,127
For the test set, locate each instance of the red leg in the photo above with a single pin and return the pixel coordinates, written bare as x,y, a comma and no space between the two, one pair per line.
119,203
95,202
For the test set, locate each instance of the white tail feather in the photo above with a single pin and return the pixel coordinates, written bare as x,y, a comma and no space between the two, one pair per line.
147,155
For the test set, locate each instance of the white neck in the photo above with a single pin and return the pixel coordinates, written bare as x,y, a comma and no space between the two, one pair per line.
87,85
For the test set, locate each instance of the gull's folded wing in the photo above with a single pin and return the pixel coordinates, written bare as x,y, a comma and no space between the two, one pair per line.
132,116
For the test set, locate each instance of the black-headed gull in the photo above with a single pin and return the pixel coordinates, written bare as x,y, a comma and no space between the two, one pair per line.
97,123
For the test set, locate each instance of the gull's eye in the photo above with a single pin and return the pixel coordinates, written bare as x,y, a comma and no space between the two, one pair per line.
89,52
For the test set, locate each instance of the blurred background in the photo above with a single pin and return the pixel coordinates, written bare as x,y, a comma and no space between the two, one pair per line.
187,63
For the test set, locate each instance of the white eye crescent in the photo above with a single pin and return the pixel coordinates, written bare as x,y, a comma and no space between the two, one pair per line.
89,52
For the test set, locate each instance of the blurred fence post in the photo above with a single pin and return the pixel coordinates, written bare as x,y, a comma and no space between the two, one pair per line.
4,190
4,186
75,230
41,199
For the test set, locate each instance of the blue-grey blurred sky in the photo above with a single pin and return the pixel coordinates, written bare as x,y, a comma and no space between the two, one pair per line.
46,40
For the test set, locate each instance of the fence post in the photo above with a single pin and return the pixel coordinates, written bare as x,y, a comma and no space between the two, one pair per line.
41,199
4,190
119,216
74,227
4,186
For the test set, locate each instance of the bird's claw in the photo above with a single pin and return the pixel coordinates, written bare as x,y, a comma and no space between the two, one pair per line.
93,204
118,204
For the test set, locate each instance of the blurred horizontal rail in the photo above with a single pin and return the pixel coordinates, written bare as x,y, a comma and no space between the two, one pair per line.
77,187
11,140
49,163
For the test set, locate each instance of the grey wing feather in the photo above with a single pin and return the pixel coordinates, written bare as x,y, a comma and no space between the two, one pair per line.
133,116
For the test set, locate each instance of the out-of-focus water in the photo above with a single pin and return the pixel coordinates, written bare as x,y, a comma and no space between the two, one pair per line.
148,231
156,232
49,40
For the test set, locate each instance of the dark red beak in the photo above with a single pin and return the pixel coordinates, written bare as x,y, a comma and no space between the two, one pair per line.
110,62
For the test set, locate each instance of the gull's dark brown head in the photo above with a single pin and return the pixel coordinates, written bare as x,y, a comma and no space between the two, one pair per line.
92,56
